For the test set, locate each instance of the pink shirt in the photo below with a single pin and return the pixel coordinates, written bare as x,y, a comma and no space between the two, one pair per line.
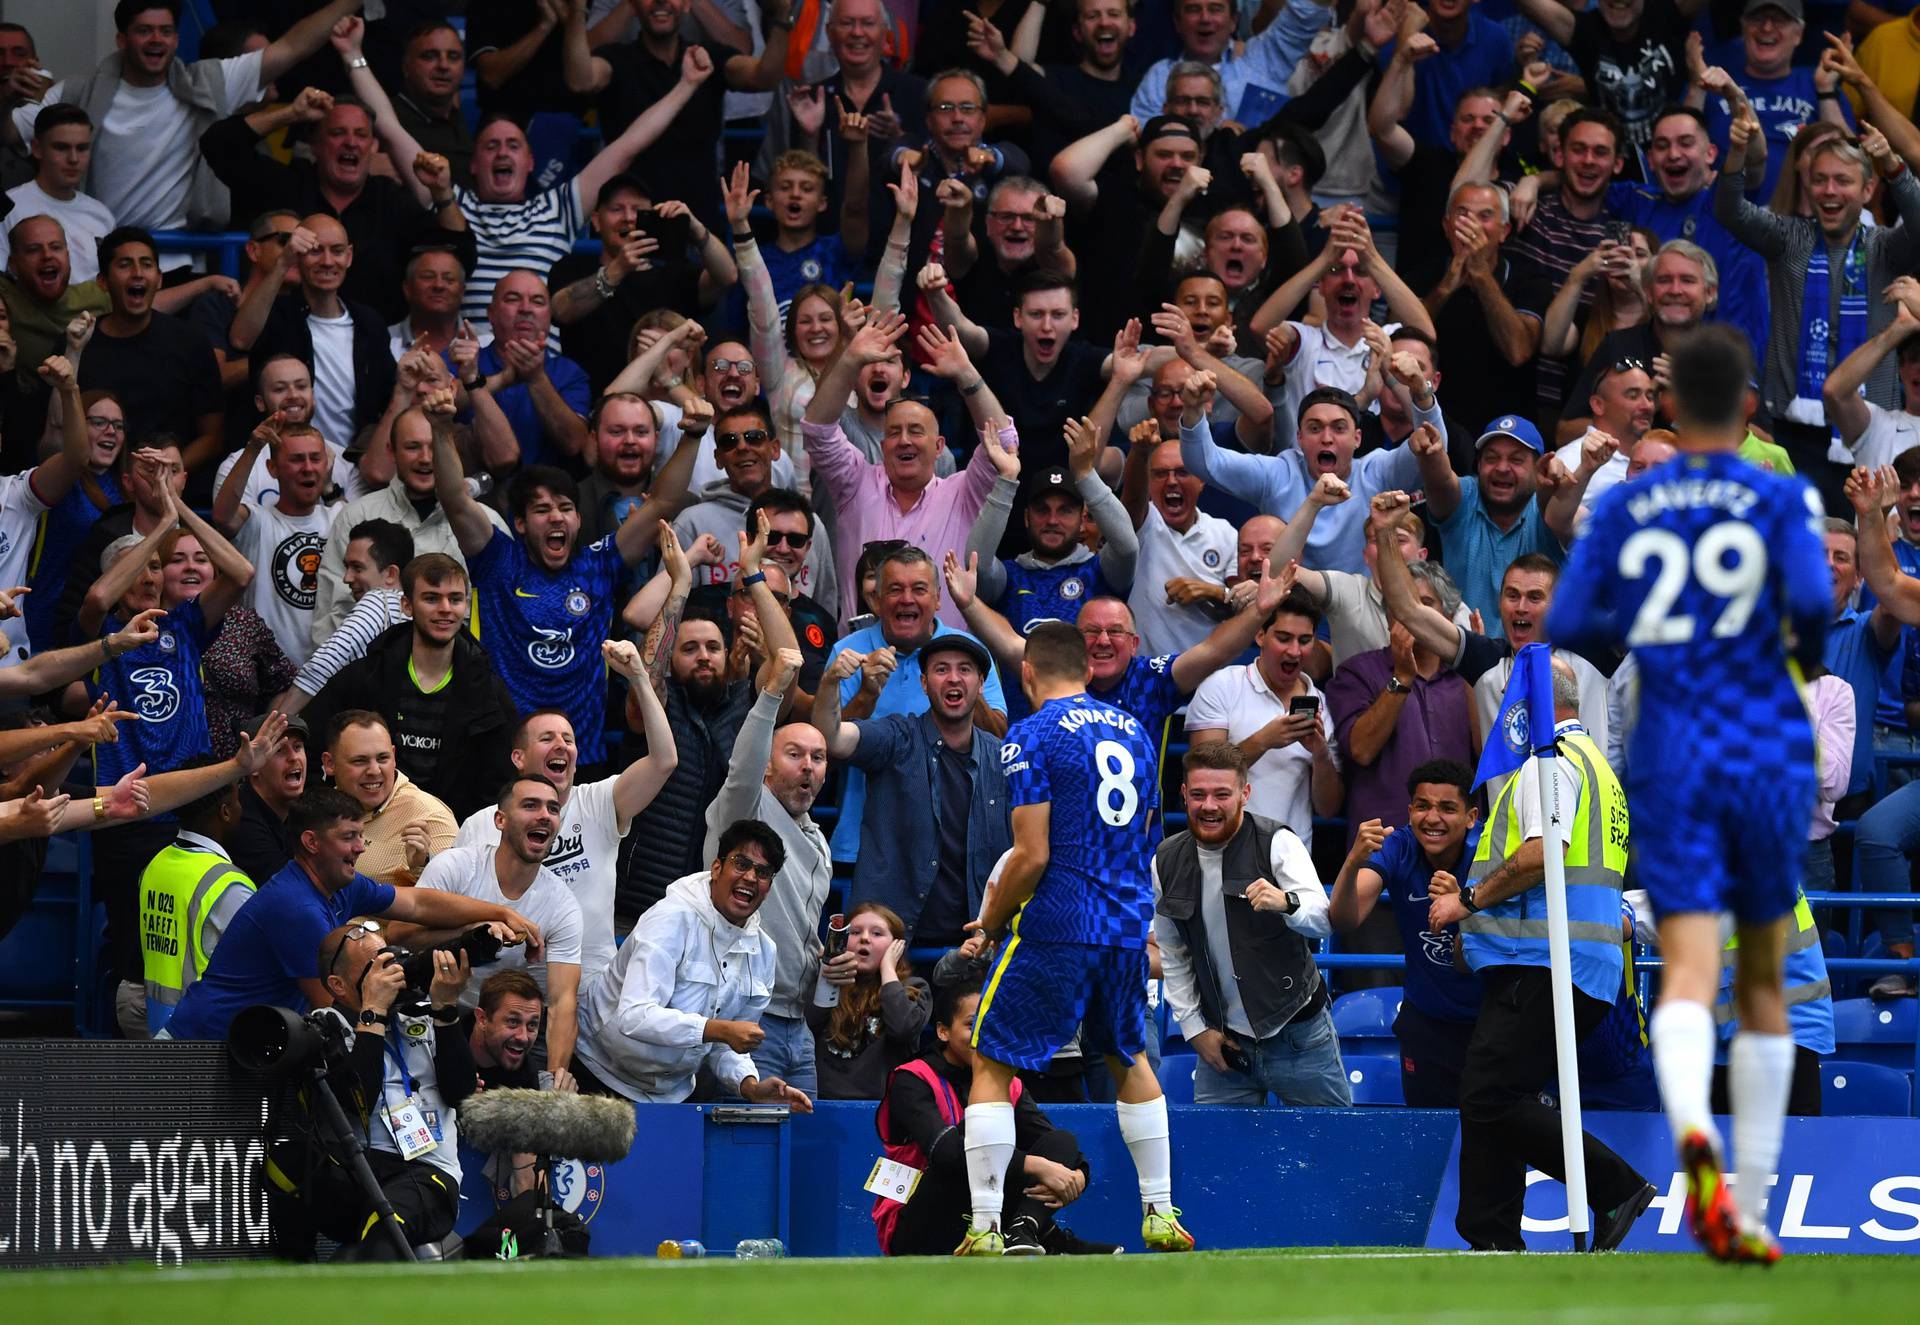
865,509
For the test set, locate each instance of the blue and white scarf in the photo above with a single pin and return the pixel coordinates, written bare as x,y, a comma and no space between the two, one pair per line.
1820,347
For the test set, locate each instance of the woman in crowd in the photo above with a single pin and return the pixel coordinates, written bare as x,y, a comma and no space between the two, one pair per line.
876,1024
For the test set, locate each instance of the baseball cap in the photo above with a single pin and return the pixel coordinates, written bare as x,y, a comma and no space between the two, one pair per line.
1313,157
959,642
1057,480
1793,9
1169,126
1519,429
296,726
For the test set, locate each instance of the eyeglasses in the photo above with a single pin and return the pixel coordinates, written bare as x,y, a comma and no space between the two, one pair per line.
1105,632
957,107
787,538
1163,392
359,929
1013,218
740,366
105,424
726,441
745,864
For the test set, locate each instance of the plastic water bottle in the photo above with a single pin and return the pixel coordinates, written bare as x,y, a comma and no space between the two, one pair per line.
759,1249
686,1249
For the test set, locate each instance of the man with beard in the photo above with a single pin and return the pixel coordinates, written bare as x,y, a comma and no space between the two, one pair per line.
260,845
345,341
152,108
41,296
407,500
518,379
1502,511
746,444
545,601
650,1021
161,370
436,688
775,775
686,662
383,218
623,438
502,1029
1623,404
282,540
934,817
1237,909
597,299
1487,307
1069,101
1350,275
1328,433
1682,288
512,874
595,816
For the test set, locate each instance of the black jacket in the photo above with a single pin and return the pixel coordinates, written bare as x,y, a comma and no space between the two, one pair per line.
480,716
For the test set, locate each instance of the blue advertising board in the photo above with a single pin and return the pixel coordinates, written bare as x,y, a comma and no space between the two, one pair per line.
1844,1185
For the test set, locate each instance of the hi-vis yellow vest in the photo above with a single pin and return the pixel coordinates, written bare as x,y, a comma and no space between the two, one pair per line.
178,891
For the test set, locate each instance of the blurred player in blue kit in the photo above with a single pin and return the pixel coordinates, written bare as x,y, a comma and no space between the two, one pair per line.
1078,891
1714,574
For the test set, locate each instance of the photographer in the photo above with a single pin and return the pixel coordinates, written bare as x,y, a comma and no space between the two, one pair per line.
401,1079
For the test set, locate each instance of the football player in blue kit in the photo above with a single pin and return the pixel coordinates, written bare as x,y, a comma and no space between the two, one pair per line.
1078,891
1714,574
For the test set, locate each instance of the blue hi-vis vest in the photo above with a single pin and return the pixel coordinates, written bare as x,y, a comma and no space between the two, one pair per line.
1514,932
1809,992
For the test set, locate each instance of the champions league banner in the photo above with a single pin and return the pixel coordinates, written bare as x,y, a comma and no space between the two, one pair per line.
128,1152
1845,1185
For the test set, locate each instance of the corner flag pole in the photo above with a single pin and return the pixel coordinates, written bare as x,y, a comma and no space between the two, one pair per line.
1565,1036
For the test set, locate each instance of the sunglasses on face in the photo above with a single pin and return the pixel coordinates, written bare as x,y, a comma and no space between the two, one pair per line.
786,538
726,441
745,864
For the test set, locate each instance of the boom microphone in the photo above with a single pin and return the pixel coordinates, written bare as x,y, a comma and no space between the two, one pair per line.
548,1122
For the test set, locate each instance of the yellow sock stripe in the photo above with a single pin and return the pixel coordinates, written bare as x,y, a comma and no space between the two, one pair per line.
986,997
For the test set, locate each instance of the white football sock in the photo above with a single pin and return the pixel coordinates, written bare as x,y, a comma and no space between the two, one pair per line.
1682,1036
1759,1080
1144,1128
989,1150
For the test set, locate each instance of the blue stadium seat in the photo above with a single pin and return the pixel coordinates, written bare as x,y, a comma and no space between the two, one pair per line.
1374,1078
1875,1032
1852,1089
1364,1020
1176,1077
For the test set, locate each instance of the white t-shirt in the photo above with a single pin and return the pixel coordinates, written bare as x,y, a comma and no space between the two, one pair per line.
1208,550
146,150
1238,700
1526,798
583,856
1614,471
285,551
1320,361
85,219
20,511
470,872
333,376
263,489
1888,433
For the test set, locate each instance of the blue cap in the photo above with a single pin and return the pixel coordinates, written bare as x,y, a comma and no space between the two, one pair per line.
1512,425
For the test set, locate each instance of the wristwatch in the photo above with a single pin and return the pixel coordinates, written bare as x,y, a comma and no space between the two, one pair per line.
1293,902
368,1017
1395,686
1466,899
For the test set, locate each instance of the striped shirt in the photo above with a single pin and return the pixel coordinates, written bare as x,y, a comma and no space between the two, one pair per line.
508,236
1554,241
376,613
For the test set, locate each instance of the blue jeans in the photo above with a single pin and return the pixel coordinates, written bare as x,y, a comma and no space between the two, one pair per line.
1887,833
1300,1063
787,1053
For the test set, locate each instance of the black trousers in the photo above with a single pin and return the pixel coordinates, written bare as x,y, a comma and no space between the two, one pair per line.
1433,1053
1806,445
937,1214
1504,1126
426,1200
1803,1101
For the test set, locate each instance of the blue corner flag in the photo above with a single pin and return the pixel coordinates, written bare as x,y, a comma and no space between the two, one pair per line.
1526,708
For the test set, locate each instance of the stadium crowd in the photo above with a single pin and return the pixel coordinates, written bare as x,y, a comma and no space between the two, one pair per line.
610,503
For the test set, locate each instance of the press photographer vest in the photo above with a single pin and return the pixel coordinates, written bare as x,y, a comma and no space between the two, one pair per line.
1273,963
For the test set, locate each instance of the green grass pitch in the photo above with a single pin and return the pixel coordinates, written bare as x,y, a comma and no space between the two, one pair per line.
1383,1287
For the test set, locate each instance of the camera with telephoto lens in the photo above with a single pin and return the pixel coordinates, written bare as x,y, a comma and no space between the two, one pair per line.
480,946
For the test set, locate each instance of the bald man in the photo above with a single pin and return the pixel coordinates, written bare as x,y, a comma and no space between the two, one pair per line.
344,343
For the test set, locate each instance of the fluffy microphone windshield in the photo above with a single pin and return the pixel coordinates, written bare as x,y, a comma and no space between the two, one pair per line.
548,1122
